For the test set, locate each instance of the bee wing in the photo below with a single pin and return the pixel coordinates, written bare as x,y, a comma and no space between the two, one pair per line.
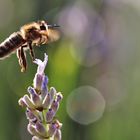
54,35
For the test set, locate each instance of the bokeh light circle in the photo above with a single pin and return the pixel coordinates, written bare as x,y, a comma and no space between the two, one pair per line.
112,90
85,105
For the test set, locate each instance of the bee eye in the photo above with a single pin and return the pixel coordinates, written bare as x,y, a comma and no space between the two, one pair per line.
42,27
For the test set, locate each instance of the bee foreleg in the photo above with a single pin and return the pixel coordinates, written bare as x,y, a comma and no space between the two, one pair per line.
22,58
31,51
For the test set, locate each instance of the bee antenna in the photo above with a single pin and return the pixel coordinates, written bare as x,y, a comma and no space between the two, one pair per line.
53,26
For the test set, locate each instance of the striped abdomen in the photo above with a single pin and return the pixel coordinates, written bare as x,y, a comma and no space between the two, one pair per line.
13,42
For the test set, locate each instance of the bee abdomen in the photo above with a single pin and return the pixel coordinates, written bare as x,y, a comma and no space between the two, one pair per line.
13,42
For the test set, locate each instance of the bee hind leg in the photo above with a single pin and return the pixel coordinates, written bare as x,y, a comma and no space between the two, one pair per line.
22,58
32,54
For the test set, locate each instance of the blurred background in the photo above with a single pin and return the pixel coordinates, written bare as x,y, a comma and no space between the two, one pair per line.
95,65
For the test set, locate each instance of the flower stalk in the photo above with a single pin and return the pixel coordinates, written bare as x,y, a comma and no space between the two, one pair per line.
41,106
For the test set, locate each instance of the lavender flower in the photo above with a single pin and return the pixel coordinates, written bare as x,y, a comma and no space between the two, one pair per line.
41,106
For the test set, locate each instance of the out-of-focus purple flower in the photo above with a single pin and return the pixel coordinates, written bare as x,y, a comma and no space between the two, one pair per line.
41,106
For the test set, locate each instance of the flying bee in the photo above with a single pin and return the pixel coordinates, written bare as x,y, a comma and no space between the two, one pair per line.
29,36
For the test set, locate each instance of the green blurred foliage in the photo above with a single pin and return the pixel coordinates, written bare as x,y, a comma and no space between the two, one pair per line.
118,63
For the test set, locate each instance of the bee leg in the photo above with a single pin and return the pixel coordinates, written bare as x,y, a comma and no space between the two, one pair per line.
32,54
22,58
19,56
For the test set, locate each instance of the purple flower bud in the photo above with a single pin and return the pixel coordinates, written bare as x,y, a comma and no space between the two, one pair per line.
21,102
30,116
41,129
32,130
52,129
59,97
45,82
49,115
55,106
41,65
31,90
37,82
44,89
36,138
49,97
59,125
34,97
57,135
47,101
28,102
52,91
37,114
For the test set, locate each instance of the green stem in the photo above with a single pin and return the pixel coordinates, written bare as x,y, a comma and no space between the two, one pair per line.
45,123
43,114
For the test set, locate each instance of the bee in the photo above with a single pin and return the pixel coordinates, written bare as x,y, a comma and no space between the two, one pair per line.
30,35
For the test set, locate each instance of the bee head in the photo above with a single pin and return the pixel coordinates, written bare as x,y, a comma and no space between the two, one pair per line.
44,26
49,31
